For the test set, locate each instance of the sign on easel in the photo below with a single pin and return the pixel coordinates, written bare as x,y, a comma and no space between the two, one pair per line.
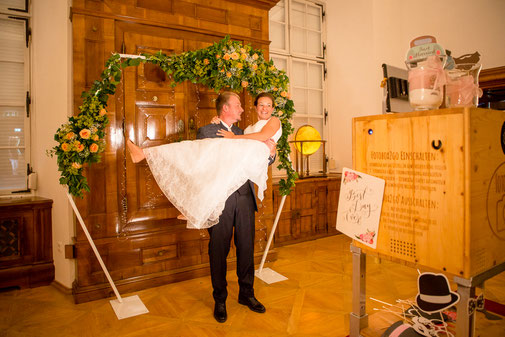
359,206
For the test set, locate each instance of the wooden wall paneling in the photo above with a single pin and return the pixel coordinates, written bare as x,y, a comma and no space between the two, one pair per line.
332,204
134,226
236,18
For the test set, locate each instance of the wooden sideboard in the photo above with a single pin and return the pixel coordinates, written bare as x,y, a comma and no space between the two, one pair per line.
134,226
26,256
309,212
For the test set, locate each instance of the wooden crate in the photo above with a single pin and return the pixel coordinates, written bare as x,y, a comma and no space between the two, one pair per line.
444,198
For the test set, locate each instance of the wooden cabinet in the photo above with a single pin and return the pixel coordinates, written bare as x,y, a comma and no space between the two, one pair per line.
309,212
134,226
26,256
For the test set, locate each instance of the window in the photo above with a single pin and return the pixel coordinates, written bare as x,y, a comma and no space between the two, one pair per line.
297,34
14,95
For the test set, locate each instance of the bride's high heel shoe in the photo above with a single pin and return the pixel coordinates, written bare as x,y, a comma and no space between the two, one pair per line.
136,152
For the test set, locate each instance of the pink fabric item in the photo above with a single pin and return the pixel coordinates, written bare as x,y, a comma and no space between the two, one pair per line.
461,91
427,76
399,330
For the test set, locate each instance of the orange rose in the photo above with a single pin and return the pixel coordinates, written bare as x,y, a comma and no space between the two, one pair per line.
275,89
228,74
76,165
239,65
65,147
222,70
243,56
245,84
95,137
242,50
93,148
255,56
70,135
206,61
102,112
254,67
218,56
79,147
234,55
85,133
226,56
284,94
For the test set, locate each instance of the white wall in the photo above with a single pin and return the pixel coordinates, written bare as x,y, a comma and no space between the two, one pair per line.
52,102
364,34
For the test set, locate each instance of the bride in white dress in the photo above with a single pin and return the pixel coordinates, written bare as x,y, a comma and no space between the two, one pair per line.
190,173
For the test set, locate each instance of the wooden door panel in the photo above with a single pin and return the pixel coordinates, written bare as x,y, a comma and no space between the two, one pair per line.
153,115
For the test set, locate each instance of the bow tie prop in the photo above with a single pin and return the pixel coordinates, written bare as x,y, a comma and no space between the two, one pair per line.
475,303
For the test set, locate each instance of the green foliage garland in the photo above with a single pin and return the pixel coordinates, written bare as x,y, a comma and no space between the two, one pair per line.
226,64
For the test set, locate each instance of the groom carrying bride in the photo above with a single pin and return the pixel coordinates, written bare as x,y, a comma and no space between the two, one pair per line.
238,212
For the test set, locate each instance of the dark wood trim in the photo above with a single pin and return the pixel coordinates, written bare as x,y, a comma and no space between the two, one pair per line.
492,78
263,4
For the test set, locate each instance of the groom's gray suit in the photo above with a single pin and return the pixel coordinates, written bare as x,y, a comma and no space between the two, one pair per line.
239,213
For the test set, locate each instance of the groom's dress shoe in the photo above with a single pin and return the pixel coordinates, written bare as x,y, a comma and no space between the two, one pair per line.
220,312
252,303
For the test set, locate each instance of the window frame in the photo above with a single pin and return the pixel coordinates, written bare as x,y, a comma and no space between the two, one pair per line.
307,58
22,14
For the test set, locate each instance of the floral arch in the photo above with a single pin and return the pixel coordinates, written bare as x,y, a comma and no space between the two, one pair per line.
226,64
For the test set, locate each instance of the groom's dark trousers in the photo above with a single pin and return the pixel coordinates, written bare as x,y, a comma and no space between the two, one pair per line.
238,214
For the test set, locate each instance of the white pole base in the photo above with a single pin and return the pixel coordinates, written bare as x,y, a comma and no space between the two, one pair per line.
131,306
269,276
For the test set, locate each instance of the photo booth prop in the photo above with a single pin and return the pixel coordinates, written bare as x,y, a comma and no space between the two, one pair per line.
444,197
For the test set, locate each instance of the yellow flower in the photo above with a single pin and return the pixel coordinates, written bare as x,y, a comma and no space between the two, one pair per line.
206,61
93,148
245,84
234,55
94,137
284,94
102,112
239,65
255,56
76,165
226,56
85,133
243,56
70,135
272,68
228,74
65,147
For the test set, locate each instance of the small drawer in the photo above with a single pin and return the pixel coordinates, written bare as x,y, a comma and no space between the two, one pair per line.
159,253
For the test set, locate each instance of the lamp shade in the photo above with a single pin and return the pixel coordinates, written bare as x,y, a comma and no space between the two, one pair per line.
306,133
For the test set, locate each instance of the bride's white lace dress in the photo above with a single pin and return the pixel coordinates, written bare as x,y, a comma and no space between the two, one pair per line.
198,176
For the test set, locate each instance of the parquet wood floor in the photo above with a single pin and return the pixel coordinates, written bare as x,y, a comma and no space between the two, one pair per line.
315,301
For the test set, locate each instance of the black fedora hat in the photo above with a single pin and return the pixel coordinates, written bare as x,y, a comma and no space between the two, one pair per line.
434,293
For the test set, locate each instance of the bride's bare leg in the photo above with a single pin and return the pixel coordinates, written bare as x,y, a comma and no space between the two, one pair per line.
136,152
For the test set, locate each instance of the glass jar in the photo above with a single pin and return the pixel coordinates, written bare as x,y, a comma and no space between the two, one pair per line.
426,81
462,89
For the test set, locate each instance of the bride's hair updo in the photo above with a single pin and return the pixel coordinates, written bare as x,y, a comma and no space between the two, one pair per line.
264,94
223,99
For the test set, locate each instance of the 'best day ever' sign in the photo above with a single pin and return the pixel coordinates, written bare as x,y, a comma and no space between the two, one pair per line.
359,206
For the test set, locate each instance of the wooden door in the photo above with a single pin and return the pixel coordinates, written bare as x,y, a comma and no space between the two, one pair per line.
156,113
